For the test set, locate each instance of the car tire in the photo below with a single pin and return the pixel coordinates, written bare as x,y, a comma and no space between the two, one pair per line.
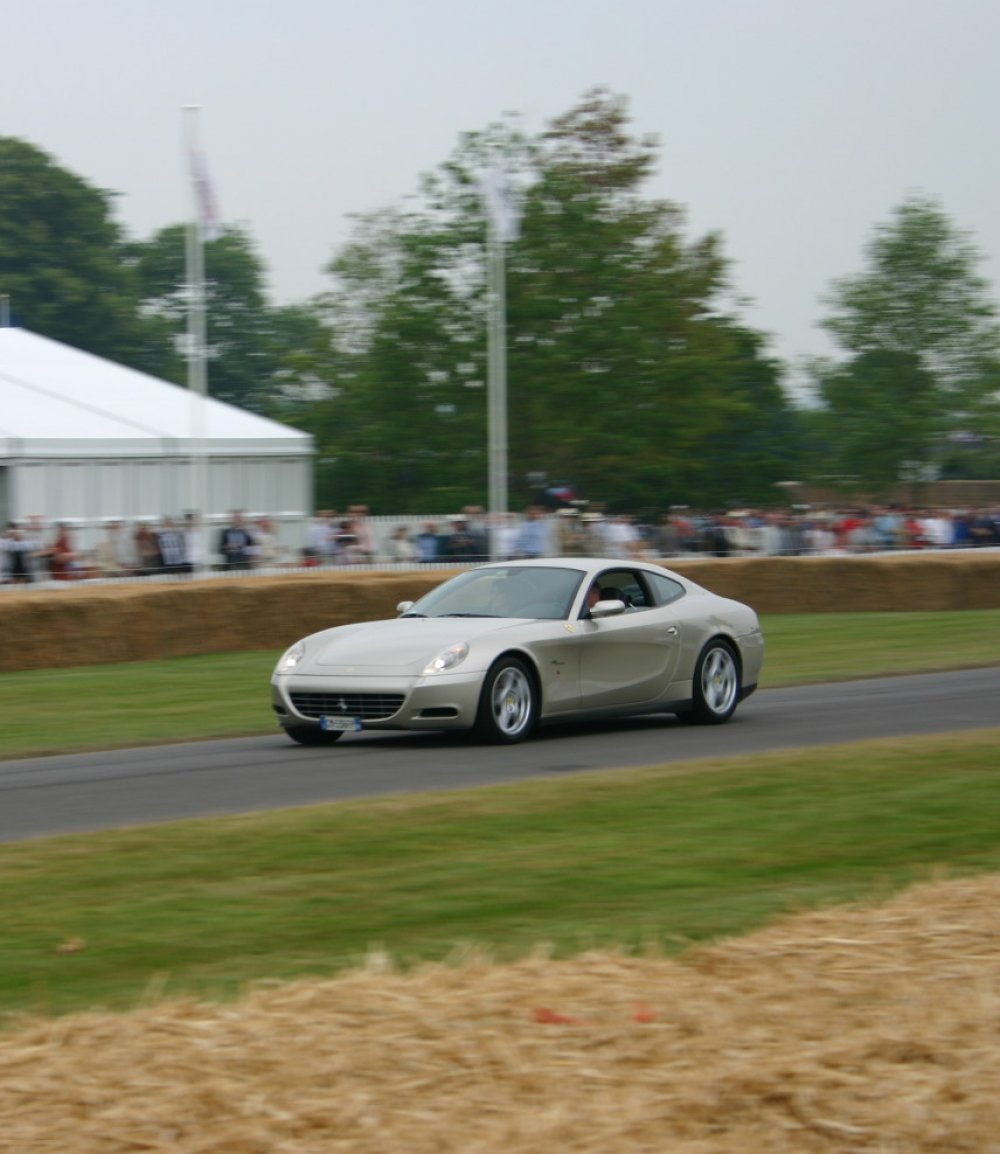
716,685
312,735
508,705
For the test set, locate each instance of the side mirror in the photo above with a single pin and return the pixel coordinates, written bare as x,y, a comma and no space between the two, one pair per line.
405,606
607,609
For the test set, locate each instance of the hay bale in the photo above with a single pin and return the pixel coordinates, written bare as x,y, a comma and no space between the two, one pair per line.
94,624
845,1029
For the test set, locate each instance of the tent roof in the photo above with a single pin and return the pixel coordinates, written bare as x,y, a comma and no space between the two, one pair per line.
58,401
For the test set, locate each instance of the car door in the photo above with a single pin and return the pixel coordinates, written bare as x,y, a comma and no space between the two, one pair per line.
557,656
630,658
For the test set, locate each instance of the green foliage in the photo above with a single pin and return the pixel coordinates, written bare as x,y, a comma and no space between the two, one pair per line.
242,343
61,259
627,375
921,346
630,372
72,275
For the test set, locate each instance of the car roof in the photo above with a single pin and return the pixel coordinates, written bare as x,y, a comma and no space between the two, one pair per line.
584,565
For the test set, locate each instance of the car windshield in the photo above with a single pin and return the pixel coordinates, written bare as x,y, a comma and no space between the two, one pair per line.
500,591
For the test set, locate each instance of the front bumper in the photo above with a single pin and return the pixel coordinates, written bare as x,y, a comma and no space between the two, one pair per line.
441,701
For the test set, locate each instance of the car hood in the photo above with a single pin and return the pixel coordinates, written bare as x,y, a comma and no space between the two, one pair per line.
402,646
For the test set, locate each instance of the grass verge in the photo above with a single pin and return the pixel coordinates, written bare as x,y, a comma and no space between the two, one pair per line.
226,695
657,857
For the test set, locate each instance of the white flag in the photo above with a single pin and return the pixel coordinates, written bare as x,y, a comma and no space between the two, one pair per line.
204,194
501,205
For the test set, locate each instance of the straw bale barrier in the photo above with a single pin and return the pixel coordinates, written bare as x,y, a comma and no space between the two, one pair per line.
94,624
851,1029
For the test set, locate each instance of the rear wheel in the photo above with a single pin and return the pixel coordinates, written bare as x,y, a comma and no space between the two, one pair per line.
716,685
508,706
312,734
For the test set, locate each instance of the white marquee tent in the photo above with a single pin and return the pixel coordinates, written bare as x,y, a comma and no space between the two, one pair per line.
85,440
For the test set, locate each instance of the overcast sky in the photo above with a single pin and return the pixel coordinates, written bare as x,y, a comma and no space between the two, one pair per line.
793,127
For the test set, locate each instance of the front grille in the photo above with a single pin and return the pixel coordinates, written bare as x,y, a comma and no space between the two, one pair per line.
367,706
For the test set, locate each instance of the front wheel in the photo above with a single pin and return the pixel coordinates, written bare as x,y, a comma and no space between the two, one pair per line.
312,734
716,684
508,706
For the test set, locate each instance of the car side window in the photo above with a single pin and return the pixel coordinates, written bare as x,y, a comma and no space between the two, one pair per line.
628,586
665,588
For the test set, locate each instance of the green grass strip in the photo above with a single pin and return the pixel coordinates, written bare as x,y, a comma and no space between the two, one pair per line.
657,857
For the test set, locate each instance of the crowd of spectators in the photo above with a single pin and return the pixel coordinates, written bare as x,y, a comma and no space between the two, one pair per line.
32,551
825,531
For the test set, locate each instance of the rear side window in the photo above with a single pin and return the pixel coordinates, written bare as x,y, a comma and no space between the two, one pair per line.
665,588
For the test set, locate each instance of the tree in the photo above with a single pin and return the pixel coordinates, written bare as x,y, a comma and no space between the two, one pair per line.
61,259
628,373
921,345
242,359
636,378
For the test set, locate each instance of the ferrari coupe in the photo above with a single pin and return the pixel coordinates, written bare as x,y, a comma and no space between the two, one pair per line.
505,647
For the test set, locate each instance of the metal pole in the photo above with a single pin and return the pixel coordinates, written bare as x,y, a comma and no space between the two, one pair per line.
497,390
196,333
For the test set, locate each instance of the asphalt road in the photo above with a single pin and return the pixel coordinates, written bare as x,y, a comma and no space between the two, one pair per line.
94,791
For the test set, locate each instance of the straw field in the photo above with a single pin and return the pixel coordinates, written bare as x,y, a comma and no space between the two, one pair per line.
850,1029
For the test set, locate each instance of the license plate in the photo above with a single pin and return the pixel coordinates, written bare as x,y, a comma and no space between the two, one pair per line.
340,724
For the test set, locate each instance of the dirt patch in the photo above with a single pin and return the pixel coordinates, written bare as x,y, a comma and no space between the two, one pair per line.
872,1029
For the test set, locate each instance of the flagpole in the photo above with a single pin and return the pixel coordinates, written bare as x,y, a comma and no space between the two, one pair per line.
196,334
496,388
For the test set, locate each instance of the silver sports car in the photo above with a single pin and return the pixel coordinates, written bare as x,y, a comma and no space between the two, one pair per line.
504,647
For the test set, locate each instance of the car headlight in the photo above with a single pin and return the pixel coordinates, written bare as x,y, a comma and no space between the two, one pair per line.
291,658
448,658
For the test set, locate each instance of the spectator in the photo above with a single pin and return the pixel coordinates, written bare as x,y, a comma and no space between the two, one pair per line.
114,556
983,529
459,544
532,537
621,537
961,530
321,543
668,540
913,532
504,538
264,549
349,547
862,537
820,538
15,556
716,537
937,529
362,528
173,555
401,548
193,546
148,558
427,543
475,522
236,543
592,526
887,526
571,541
62,557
